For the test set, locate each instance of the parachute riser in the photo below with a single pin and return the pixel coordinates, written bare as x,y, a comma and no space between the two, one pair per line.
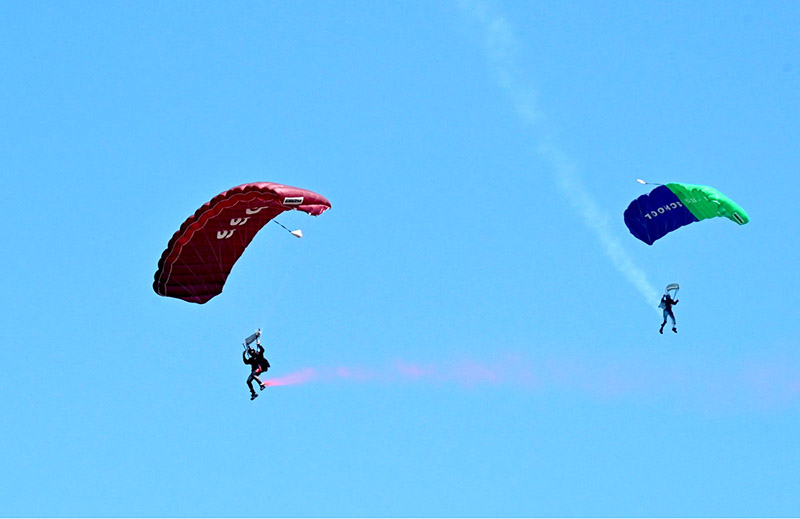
251,339
674,288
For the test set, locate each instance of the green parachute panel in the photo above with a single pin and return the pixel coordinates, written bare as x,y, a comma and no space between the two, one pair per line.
706,202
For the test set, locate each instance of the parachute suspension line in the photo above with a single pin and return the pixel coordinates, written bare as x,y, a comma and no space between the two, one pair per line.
271,303
298,233
277,299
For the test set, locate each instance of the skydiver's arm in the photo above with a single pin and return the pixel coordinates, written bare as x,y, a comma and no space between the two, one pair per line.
260,349
244,357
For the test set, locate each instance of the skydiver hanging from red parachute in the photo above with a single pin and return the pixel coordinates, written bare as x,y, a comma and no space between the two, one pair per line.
254,357
201,254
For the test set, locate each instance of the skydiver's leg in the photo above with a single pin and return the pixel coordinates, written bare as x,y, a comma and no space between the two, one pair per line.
261,385
674,324
661,330
250,383
254,376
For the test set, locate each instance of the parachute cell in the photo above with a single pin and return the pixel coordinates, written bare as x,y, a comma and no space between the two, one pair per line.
201,254
671,206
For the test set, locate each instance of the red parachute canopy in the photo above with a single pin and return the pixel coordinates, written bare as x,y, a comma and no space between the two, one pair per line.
201,254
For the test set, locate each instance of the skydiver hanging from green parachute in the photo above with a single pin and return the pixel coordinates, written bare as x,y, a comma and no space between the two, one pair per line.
671,206
667,302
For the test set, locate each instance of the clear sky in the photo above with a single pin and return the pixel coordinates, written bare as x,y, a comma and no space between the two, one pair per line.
470,330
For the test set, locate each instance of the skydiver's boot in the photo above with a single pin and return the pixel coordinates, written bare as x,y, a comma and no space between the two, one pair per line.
253,395
262,386
674,329
661,330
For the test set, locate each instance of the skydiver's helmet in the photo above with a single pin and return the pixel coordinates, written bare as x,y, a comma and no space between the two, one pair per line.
251,351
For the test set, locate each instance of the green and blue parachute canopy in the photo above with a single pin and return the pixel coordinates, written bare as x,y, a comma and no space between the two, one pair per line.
671,206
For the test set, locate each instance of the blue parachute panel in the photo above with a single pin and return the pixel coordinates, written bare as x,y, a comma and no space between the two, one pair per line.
653,215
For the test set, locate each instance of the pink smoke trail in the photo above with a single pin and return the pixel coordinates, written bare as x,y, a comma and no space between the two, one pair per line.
759,383
465,373
298,377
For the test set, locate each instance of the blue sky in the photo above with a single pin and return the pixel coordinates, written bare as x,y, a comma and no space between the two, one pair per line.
471,326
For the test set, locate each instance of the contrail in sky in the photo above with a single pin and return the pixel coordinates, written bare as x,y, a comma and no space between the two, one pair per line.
500,45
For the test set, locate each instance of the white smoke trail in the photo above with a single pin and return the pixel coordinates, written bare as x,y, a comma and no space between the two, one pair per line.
500,45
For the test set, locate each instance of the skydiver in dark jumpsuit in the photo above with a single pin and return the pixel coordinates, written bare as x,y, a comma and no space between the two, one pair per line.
666,303
258,364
